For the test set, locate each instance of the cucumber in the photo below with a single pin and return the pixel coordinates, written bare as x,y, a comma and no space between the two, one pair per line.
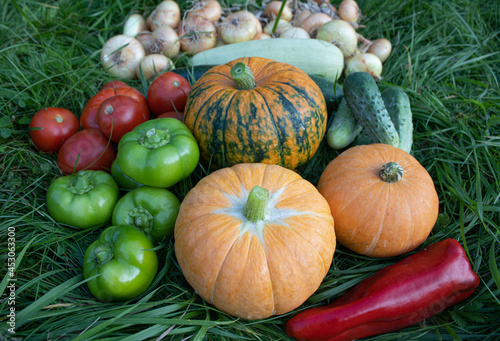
398,105
332,91
362,138
365,101
344,127
313,56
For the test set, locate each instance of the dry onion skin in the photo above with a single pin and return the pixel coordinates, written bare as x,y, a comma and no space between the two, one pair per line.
121,55
272,9
381,47
295,32
366,62
314,22
300,17
349,11
238,27
134,25
145,38
209,9
166,13
152,65
281,27
165,40
196,34
341,34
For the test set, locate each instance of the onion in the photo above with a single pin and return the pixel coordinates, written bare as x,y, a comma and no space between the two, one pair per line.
208,9
145,38
120,56
313,22
300,17
295,32
152,65
134,24
381,48
341,34
349,11
166,13
165,40
272,9
282,26
238,27
261,35
366,62
197,34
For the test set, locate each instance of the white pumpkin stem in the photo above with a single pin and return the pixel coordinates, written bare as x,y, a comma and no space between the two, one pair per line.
391,172
242,76
256,206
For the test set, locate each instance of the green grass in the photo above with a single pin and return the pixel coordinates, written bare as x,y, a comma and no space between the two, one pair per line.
446,56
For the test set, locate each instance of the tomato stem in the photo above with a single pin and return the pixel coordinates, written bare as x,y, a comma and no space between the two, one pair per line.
256,206
154,138
391,172
242,76
80,183
104,253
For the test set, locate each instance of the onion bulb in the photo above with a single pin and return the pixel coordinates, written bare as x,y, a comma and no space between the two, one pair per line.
238,27
381,48
197,34
272,9
165,40
349,11
261,35
208,9
341,34
300,17
121,55
145,38
313,23
166,13
282,26
295,32
134,24
366,62
152,65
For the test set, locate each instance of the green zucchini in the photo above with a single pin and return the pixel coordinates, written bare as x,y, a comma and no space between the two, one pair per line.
398,105
313,56
344,127
365,101
332,91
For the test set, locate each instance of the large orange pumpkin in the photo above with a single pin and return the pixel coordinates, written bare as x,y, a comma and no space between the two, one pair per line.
383,201
254,240
256,110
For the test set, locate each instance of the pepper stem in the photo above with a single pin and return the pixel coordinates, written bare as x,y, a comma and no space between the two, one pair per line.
140,218
80,183
391,172
154,138
256,206
242,76
104,253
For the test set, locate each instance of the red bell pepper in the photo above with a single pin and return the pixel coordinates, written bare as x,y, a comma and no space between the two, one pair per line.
418,287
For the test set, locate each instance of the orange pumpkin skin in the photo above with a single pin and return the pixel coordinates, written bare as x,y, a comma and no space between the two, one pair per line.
254,270
374,217
281,121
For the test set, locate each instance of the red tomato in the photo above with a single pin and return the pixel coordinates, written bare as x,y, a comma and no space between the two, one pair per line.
173,114
88,118
117,115
50,127
114,85
92,150
168,92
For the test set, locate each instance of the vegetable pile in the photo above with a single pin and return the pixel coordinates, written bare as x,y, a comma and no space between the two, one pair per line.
252,237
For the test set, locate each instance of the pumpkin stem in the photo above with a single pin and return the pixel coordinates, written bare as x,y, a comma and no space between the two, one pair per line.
256,206
242,76
391,172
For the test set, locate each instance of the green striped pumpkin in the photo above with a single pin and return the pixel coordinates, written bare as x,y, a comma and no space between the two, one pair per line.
256,110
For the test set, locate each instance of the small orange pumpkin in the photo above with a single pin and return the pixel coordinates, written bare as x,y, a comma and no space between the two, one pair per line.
254,240
383,201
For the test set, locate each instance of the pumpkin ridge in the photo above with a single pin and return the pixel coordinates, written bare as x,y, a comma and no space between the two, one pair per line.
411,229
195,121
360,192
376,237
276,129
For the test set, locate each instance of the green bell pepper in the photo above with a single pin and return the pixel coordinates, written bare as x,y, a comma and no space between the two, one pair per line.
123,262
158,153
122,180
85,199
150,209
